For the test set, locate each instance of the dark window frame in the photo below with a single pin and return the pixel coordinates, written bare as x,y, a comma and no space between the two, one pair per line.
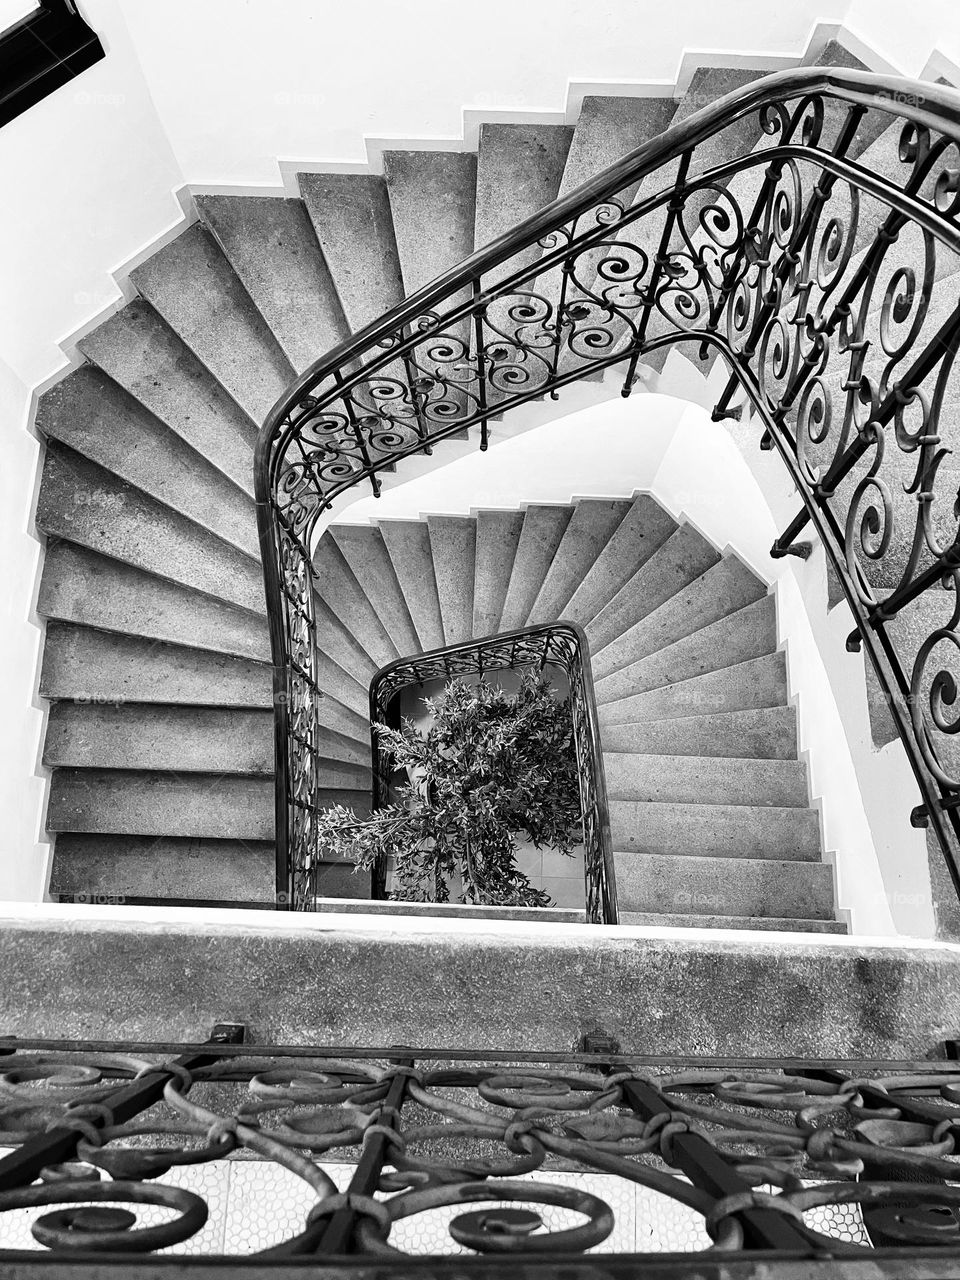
47,48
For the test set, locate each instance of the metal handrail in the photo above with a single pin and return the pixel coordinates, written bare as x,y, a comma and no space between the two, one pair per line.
562,644
759,258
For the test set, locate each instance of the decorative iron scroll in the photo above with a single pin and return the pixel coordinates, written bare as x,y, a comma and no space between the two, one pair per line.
560,644
788,1160
805,230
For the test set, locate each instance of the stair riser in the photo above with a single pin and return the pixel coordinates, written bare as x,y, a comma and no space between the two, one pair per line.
765,734
705,780
728,831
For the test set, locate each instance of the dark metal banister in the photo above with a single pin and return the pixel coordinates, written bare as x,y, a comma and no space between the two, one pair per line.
929,105
563,644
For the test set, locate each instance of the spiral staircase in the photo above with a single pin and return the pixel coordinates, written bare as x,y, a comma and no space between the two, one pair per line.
157,656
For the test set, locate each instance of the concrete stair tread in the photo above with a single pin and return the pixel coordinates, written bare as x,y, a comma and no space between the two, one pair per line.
754,684
87,505
592,524
453,549
767,732
682,558
450,910
408,545
607,129
641,532
364,550
142,354
191,284
80,586
498,536
544,525
686,884
724,588
706,780
348,602
747,923
351,216
732,832
271,245
735,638
433,196
519,168
97,419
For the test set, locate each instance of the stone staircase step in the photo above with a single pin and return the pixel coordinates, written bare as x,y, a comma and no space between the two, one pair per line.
337,645
147,736
451,910
607,129
78,585
498,535
706,780
433,195
408,545
678,562
728,831
751,632
543,528
591,526
99,420
723,589
112,868
134,802
271,245
663,920
190,283
519,167
351,216
91,507
759,683
769,733
363,548
664,883
348,602
143,355
453,549
90,666
641,532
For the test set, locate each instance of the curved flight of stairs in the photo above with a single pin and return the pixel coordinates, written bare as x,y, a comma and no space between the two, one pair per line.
156,654
709,804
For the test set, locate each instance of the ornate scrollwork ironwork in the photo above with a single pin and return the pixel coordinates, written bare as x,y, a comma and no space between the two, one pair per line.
770,1154
819,262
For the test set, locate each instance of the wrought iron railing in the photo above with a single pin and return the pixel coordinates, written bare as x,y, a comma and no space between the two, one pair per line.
370,1162
560,644
826,285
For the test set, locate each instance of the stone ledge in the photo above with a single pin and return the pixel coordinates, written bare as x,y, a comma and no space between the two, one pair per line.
359,981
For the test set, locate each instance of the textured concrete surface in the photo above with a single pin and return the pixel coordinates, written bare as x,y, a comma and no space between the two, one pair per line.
761,682
453,549
191,284
724,886
748,633
408,544
100,667
78,585
766,733
766,924
706,780
592,525
333,982
364,550
724,588
433,196
347,600
272,247
606,130
87,505
680,560
96,418
644,529
498,534
731,831
543,528
351,216
143,355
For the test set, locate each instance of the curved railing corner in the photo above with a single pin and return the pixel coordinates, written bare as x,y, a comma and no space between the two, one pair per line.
827,284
